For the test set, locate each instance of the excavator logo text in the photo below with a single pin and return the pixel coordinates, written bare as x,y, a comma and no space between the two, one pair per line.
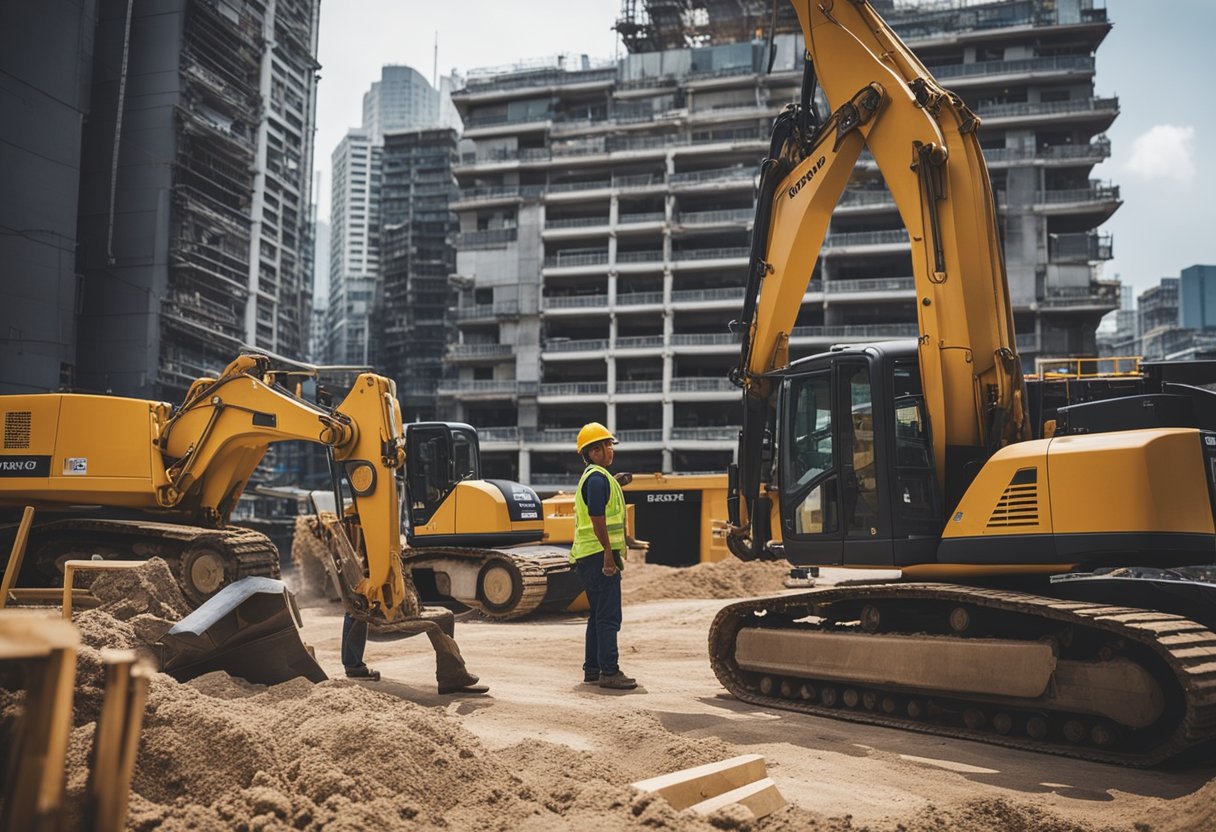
806,177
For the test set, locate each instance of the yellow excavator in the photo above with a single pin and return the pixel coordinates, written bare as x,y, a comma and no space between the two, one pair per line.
1053,594
133,479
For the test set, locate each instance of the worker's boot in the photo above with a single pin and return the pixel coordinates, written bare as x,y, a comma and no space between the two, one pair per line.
363,672
617,681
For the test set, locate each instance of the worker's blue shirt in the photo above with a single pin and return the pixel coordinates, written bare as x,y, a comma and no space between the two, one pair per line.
595,494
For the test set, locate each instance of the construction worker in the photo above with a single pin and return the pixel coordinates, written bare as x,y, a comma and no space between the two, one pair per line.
599,555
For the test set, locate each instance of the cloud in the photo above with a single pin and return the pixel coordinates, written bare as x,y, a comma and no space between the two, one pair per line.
1165,151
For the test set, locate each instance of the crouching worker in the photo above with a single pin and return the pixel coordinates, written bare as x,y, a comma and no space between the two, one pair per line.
599,555
450,670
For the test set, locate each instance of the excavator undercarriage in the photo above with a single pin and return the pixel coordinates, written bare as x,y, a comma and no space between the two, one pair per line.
1117,684
202,559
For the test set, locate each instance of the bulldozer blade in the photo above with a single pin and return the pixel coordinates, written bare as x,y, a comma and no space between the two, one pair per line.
250,629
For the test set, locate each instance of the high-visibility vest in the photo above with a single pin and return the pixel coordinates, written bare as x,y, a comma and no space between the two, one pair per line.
585,541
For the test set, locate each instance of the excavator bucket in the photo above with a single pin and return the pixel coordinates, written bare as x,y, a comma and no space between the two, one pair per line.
250,629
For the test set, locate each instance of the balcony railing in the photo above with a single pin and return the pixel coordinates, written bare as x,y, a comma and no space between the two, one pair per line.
1079,248
639,435
876,331
576,345
499,192
1096,193
576,302
639,298
511,434
567,259
707,384
703,339
564,436
867,238
694,295
491,238
639,256
456,351
1052,63
711,253
629,219
578,388
715,175
588,185
1048,108
486,310
625,388
538,78
506,387
576,222
1098,293
473,122
876,284
705,434
716,217
859,197
635,342
1094,150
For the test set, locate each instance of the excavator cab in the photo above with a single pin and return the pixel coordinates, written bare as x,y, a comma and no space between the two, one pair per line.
854,460
447,501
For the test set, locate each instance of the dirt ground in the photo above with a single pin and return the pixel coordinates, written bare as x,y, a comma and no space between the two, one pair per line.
544,752
874,777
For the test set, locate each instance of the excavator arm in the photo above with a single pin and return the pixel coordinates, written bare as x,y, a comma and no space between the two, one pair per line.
213,443
924,141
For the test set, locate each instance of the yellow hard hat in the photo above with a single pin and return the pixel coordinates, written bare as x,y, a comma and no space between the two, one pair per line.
591,433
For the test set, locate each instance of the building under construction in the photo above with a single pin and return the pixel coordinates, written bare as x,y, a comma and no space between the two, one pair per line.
416,260
194,190
606,212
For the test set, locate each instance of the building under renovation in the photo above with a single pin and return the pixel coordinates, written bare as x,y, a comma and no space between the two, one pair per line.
416,260
193,235
605,217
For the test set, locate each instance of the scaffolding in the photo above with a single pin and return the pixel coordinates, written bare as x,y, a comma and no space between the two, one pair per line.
658,25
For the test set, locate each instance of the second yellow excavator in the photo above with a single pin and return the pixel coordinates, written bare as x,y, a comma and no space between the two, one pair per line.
1054,594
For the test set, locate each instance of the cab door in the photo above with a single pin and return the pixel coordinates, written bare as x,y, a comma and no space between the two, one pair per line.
808,471
834,501
429,466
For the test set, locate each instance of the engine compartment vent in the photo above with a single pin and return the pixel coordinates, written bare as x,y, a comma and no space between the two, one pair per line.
1019,503
17,429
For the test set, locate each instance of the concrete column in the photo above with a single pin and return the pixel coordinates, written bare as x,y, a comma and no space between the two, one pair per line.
525,464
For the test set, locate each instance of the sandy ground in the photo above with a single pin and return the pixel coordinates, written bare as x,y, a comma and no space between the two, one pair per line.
880,777
544,752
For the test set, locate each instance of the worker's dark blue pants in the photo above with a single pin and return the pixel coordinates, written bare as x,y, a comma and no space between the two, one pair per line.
604,622
354,642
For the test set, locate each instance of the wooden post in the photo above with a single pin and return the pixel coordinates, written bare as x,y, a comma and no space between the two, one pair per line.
16,555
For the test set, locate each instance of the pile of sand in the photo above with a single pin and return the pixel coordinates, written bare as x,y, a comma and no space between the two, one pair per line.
728,578
308,556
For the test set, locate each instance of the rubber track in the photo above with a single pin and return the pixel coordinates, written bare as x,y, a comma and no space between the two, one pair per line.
250,551
533,564
1188,649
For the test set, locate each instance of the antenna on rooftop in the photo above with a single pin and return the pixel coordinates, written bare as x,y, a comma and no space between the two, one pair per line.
435,65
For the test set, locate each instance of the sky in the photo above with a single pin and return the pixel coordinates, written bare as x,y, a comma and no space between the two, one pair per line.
1156,59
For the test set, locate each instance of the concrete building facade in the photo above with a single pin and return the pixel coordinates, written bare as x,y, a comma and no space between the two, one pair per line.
194,191
417,258
354,247
605,216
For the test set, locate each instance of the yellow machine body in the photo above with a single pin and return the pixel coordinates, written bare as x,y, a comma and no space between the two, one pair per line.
477,508
70,449
1133,489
